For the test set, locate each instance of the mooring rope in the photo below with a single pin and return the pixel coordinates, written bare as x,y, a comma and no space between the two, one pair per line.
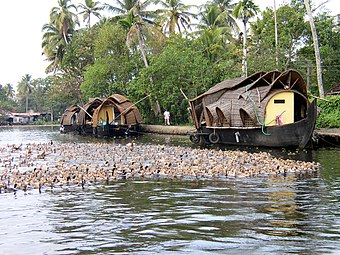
263,125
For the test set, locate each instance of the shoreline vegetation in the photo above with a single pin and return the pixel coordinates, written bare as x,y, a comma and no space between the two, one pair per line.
139,53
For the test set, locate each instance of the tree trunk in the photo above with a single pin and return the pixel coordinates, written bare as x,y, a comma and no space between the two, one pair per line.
156,107
26,103
244,57
276,38
316,49
52,117
308,75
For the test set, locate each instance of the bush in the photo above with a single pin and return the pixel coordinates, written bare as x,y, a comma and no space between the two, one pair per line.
330,113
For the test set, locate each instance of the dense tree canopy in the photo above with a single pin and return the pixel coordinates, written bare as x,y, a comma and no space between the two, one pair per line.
145,49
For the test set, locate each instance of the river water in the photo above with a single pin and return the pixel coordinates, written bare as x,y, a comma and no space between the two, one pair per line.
272,215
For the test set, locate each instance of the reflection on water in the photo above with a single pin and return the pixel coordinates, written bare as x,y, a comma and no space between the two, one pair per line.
277,215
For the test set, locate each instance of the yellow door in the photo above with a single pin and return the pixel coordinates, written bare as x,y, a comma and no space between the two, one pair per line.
280,109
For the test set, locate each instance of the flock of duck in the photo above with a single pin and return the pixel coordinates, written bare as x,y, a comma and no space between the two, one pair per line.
50,165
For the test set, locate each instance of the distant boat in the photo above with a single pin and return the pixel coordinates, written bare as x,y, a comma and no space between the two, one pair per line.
269,109
116,116
113,116
68,119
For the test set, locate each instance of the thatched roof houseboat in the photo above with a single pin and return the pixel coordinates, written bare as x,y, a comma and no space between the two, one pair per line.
68,119
115,116
264,109
84,118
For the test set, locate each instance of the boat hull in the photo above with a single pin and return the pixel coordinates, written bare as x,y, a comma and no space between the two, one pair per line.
296,135
115,130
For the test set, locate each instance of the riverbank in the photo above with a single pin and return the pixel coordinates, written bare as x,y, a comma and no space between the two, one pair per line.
327,137
171,130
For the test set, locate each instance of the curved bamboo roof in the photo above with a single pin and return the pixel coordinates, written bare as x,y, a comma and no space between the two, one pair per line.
87,110
66,118
127,109
232,101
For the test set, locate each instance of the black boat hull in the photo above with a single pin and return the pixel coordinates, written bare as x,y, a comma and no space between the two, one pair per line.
115,130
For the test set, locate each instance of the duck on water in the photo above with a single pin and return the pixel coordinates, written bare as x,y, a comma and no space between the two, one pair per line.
62,165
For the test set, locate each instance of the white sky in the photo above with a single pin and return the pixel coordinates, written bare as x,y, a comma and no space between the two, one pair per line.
21,24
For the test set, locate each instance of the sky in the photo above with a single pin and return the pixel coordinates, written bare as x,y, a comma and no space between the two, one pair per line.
21,24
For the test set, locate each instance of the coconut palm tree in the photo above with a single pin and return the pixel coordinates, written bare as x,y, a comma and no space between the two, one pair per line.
64,19
214,32
90,8
25,88
58,32
139,27
9,91
121,6
174,14
316,49
244,10
53,45
226,12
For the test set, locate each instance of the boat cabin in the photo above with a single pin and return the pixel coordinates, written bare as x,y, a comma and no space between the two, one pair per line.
116,115
263,99
264,109
68,119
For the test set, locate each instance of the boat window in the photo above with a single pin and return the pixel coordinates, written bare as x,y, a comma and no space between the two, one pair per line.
210,117
279,101
222,120
247,121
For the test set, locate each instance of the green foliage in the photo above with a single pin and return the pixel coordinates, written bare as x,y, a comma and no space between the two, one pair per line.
179,66
96,62
6,102
330,113
329,44
113,67
291,29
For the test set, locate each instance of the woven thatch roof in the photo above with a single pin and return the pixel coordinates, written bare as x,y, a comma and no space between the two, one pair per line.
242,101
127,109
69,113
87,110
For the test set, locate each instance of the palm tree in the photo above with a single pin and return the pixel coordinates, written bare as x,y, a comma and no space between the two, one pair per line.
244,10
316,49
226,12
122,6
58,32
214,32
139,27
25,88
53,45
136,21
174,14
64,19
90,8
9,91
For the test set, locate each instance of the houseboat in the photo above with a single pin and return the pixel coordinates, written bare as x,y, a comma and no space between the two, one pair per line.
269,109
116,116
68,119
113,116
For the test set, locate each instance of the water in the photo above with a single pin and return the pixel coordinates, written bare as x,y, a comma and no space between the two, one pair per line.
277,215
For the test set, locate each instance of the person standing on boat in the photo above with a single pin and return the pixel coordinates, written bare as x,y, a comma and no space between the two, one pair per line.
167,117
